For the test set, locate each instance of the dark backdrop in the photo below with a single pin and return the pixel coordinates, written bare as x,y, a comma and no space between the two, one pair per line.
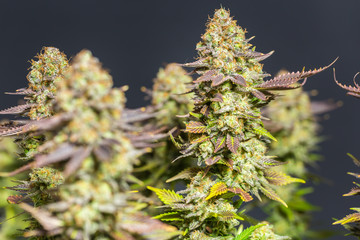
134,38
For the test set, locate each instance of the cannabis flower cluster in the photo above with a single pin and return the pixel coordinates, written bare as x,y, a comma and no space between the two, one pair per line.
85,159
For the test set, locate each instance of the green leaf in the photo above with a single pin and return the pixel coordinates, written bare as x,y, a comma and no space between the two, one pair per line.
263,132
355,160
166,196
232,143
197,115
242,194
272,195
169,216
354,191
177,144
227,216
355,217
245,235
198,139
218,189
280,179
195,127
220,143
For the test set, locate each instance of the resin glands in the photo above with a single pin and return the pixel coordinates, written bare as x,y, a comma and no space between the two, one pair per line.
226,133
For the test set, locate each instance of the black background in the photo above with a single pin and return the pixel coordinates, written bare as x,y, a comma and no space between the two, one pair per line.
134,38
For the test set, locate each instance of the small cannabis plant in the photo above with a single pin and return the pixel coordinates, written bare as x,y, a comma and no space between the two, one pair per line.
352,221
226,135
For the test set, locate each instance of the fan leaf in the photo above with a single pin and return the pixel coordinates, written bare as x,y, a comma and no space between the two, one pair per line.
169,216
198,139
263,132
228,216
232,143
272,195
220,143
285,81
168,197
246,197
280,179
218,189
268,162
195,127
354,191
354,217
212,160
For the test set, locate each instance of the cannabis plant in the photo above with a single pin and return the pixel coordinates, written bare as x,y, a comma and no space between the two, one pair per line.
226,135
39,98
92,155
352,221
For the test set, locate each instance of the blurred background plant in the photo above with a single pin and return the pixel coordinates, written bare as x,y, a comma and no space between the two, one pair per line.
12,218
294,123
169,103
87,140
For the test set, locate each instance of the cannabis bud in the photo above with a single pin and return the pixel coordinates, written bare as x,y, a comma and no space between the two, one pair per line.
226,134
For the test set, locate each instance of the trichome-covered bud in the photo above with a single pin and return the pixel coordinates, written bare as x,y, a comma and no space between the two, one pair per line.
168,95
39,94
40,188
39,99
226,133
